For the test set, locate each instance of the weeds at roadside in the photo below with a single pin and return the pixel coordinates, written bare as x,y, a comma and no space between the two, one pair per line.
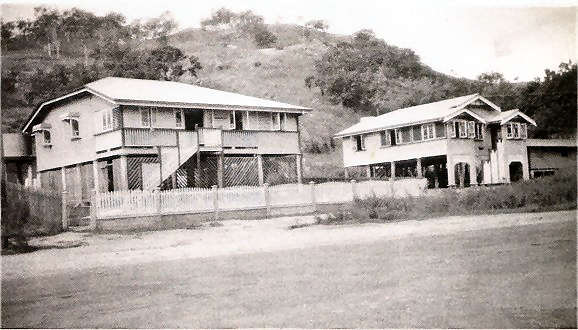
545,194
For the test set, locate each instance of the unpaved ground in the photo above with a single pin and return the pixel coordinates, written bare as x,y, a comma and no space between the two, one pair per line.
518,272
237,237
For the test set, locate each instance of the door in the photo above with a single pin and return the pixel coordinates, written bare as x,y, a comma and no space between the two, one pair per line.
151,175
193,117
239,120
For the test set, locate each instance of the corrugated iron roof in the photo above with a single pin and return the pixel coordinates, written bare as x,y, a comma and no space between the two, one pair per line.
155,91
412,115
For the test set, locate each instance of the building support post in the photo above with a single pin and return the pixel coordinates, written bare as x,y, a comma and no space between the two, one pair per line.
418,168
473,175
95,175
123,172
392,169
368,171
220,169
260,169
451,173
462,170
299,160
160,156
346,173
64,211
63,177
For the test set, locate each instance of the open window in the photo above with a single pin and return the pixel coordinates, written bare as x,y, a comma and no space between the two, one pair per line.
462,129
44,130
398,136
384,137
232,121
471,129
72,121
359,143
283,121
451,129
178,118
428,131
479,131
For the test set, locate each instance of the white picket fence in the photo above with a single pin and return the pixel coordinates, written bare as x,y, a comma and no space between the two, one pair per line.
133,203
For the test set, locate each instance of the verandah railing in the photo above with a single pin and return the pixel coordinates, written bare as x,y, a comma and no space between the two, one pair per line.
136,203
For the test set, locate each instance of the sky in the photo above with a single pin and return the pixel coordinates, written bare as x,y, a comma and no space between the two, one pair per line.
461,38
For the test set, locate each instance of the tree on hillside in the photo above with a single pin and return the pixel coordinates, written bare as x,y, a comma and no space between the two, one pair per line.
221,17
317,24
347,71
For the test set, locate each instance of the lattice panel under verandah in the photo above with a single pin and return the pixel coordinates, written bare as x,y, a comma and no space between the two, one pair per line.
280,169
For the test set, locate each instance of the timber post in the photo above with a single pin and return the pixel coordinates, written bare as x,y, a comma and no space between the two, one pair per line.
64,211
93,210
267,199
313,201
215,203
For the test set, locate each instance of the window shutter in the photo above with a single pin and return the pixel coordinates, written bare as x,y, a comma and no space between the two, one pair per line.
451,129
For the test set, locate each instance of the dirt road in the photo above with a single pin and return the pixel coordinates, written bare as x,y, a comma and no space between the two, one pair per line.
484,271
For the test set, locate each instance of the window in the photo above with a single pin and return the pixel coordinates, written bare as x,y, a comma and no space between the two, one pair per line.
275,122
428,131
47,138
463,129
509,131
471,129
398,136
479,131
74,128
145,117
516,129
232,120
284,121
451,128
524,131
384,137
359,143
107,120
178,118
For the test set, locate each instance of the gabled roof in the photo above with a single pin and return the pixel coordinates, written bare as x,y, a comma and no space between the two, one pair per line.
441,110
169,93
506,116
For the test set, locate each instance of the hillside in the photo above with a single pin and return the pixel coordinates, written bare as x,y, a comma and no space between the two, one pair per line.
231,61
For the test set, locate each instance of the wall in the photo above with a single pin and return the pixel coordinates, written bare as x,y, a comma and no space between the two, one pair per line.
165,117
65,151
375,153
552,157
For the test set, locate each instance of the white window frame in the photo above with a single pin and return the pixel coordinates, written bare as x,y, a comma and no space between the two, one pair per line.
107,120
428,131
471,129
387,138
398,136
451,129
523,131
362,138
179,113
44,142
463,129
143,111
74,134
516,130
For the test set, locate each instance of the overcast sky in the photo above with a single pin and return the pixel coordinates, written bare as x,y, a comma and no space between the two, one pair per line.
465,38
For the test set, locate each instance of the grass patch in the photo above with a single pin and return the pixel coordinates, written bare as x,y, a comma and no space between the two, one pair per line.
545,194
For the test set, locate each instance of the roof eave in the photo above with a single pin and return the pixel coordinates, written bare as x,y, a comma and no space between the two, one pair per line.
373,130
210,106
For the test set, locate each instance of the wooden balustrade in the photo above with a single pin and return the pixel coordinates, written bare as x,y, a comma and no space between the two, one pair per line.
150,137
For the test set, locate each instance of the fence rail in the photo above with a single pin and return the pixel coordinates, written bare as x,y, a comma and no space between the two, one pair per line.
133,203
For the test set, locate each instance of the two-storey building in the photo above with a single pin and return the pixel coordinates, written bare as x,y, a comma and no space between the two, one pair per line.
459,141
120,134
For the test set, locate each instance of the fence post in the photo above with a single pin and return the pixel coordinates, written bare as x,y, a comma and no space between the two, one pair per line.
93,211
215,203
313,202
157,194
64,211
267,199
353,190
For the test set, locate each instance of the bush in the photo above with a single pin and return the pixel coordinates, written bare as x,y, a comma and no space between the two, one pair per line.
548,193
263,37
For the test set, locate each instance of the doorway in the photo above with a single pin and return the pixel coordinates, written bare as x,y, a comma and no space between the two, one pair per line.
193,117
239,120
515,171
